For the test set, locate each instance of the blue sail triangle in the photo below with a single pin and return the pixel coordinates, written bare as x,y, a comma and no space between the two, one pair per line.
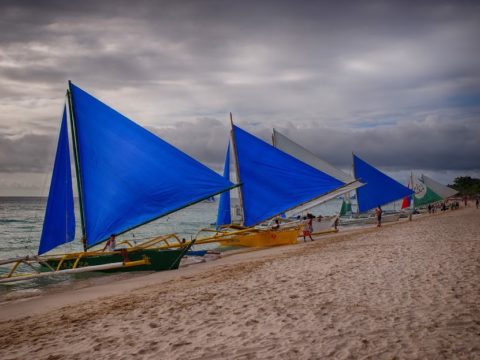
380,189
274,181
129,176
224,213
59,222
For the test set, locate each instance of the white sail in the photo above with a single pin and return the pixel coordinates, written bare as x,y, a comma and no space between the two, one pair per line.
283,143
439,189
320,200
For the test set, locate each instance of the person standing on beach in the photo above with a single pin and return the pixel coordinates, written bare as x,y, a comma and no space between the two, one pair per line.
378,213
307,228
476,203
310,221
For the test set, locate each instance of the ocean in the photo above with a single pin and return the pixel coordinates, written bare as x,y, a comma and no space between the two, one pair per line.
21,220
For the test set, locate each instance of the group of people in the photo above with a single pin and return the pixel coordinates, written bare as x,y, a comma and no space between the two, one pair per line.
444,206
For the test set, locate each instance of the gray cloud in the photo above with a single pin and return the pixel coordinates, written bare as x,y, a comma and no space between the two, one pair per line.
29,153
430,143
397,82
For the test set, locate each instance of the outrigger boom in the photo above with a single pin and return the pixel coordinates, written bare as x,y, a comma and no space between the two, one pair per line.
30,276
145,256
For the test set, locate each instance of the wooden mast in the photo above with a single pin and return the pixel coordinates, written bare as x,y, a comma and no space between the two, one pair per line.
355,177
237,169
77,162
412,205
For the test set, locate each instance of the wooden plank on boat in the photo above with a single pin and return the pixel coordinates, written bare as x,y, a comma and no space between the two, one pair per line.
71,271
12,260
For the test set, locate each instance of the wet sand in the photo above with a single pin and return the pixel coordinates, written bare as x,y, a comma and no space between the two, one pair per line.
410,290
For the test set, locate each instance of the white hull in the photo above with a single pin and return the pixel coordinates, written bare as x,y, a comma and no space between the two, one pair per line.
368,220
326,224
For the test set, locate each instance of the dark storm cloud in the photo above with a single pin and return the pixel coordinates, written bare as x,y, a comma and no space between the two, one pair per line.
397,82
204,139
423,144
429,143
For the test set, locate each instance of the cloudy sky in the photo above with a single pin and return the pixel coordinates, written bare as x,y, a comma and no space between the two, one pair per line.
398,82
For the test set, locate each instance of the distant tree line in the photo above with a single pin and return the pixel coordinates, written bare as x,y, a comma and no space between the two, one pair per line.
466,185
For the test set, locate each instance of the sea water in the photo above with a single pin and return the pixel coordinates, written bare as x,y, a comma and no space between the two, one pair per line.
21,220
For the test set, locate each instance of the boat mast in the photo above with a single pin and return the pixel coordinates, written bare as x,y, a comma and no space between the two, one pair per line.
77,162
356,190
237,170
412,205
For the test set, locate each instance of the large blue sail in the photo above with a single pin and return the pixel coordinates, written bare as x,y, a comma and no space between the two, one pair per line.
224,212
59,222
274,181
129,176
380,189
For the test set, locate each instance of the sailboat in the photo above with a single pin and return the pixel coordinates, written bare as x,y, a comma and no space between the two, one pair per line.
126,177
429,191
326,224
346,208
379,189
272,183
407,202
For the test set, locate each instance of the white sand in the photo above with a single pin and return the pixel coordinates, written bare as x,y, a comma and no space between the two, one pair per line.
406,291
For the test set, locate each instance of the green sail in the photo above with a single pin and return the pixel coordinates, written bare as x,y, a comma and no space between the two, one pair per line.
426,197
346,208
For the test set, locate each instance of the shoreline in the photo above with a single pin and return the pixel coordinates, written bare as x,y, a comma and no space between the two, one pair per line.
406,290
105,285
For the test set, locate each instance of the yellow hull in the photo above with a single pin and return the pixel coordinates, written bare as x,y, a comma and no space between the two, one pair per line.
327,231
263,238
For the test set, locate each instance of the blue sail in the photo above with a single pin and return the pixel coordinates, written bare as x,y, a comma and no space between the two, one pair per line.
129,176
380,189
59,222
224,216
274,181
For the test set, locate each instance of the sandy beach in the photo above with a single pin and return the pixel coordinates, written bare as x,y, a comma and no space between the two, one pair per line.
410,290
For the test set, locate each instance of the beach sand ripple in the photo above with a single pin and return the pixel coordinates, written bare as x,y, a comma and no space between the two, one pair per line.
406,291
